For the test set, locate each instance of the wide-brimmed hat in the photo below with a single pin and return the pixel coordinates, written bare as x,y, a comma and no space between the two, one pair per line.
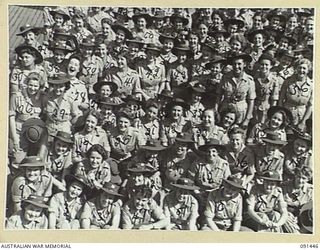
276,13
185,137
88,42
69,178
110,101
32,161
273,138
212,143
166,94
267,56
236,21
38,201
177,102
287,53
61,46
136,40
66,17
153,145
300,48
132,98
291,40
252,34
234,181
33,129
215,59
159,14
169,36
209,45
144,15
270,175
65,137
141,168
153,47
26,28
246,57
38,56
186,184
116,27
304,12
219,13
275,109
111,188
59,79
306,216
61,32
174,17
298,134
125,113
97,86
183,47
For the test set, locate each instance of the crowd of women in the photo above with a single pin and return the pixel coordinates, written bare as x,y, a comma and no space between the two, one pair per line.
161,118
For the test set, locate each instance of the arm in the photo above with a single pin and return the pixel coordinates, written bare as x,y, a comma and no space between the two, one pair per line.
116,215
283,212
85,217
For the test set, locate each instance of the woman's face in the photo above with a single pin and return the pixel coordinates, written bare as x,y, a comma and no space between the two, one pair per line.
301,180
120,36
182,56
105,91
122,62
235,45
78,23
60,147
193,41
152,113
265,66
73,67
33,173
58,55
219,38
181,148
216,68
236,141
310,26
59,89
58,19
302,71
276,120
27,59
30,38
228,120
133,48
151,54
216,19
87,51
238,66
283,44
203,30
258,40
182,195
75,190
91,123
300,146
269,186
208,118
138,179
271,148
106,199
123,124
285,61
106,29
257,22
230,191
177,112
292,23
232,29
102,50
206,52
32,212
167,45
95,159
33,87
211,153
196,97
275,21
141,202
141,23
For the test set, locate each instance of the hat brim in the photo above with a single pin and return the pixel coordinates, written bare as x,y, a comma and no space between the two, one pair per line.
35,165
58,81
110,192
36,30
151,148
175,51
97,86
205,147
185,187
238,22
177,103
184,140
36,204
269,179
66,17
71,178
236,185
145,16
275,142
185,21
210,64
39,57
163,37
66,140
116,27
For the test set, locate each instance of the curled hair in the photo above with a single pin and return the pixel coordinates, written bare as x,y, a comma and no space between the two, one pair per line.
237,130
303,61
98,148
227,110
28,51
285,118
34,76
143,191
240,38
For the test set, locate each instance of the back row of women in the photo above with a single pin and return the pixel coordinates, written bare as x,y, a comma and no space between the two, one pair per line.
165,118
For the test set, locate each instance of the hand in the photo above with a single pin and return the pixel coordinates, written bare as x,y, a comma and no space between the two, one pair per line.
245,123
83,106
301,126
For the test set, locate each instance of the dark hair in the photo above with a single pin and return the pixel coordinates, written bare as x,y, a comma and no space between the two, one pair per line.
237,130
28,51
98,148
227,110
285,118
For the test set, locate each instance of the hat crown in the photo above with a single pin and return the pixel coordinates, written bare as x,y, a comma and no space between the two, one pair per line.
274,136
185,182
109,186
185,136
235,179
88,41
153,143
272,174
59,77
32,160
64,135
36,198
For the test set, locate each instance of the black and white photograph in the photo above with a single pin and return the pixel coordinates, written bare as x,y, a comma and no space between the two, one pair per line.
158,118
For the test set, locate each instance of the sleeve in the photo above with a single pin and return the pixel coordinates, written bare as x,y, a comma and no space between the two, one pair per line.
276,88
227,171
86,212
210,207
54,205
11,223
238,212
252,89
47,185
17,189
251,201
194,208
157,212
137,84
104,140
13,105
126,218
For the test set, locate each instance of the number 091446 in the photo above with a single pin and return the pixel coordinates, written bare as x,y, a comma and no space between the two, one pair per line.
308,246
